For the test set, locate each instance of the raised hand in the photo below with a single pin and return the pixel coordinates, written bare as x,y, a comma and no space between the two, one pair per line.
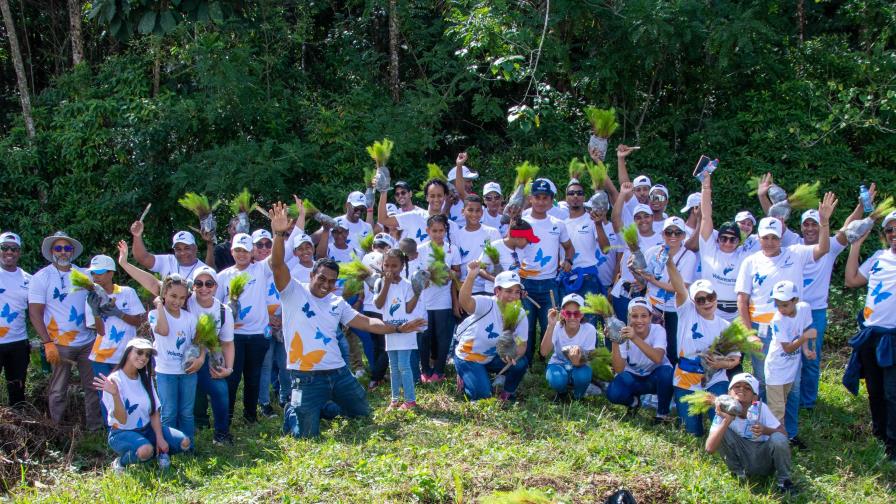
122,252
280,222
626,189
826,207
103,383
137,228
461,159
764,184
623,151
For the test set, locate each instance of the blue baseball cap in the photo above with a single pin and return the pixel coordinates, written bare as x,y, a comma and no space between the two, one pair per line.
542,186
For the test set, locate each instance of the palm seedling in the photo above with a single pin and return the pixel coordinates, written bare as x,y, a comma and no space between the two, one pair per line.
603,125
857,228
199,205
380,153
241,205
525,173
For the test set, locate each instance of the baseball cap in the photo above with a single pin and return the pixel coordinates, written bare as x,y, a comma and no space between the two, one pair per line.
810,214
100,264
356,199
507,279
784,291
744,215
745,378
492,187
641,207
729,228
889,218
543,186
693,202
141,344
642,181
404,185
392,209
702,285
300,238
573,298
770,225
467,173
261,234
184,237
11,237
528,234
639,301
384,239
659,188
204,270
673,222
241,240
341,222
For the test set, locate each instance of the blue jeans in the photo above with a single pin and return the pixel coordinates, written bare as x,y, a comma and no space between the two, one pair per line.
670,324
375,349
693,424
125,443
626,386
792,410
275,356
105,369
475,376
322,394
248,356
400,375
216,390
561,376
177,392
344,350
540,292
812,368
435,341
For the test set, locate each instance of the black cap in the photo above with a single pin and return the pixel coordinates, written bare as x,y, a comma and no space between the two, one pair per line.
730,228
404,185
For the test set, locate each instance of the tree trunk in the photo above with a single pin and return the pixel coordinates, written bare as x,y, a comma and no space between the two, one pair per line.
393,50
24,94
801,18
74,19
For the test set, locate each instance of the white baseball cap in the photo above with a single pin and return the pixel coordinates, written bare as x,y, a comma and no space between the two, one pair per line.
492,187
100,264
659,188
693,202
641,207
141,344
572,298
342,222
889,218
468,174
241,240
204,270
642,181
300,238
392,209
11,237
384,239
810,214
261,234
770,225
356,199
184,237
507,279
701,285
641,302
674,222
784,291
745,215
745,378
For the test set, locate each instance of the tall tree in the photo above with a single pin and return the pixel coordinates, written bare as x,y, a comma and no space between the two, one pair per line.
393,50
24,94
74,20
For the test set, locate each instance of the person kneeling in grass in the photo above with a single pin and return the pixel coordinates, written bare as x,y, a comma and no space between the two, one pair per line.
755,445
570,341
130,397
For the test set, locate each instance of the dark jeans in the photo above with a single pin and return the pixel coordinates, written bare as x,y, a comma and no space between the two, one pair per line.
249,351
380,362
435,341
670,322
217,390
881,385
540,292
626,386
14,359
105,369
322,394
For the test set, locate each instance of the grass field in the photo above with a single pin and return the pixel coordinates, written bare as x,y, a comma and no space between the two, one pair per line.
451,451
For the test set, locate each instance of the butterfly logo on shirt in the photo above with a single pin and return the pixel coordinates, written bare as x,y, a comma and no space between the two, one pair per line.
57,294
130,407
244,311
139,423
879,294
2,290
695,331
179,342
875,268
8,314
272,291
297,354
308,311
463,253
74,316
421,236
665,295
318,335
63,338
759,279
727,269
542,259
490,331
807,281
115,335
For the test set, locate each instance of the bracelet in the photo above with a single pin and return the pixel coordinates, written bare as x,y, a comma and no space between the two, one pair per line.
279,233
45,343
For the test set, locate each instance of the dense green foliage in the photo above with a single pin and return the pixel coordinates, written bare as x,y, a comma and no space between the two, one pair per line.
283,97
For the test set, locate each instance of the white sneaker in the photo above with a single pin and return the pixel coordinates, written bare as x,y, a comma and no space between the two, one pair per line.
359,373
593,390
117,468
499,381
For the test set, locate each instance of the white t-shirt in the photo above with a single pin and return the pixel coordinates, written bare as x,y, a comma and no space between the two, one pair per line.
225,327
817,277
781,367
14,299
494,222
477,335
110,347
585,338
558,211
356,232
695,335
743,427
63,308
880,304
583,236
369,296
300,273
686,261
635,360
508,259
470,245
625,274
394,311
166,264
310,325
759,274
171,348
413,225
542,259
719,267
253,316
606,261
435,297
455,213
135,400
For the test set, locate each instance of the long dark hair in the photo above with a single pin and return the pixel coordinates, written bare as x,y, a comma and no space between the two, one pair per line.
442,219
144,374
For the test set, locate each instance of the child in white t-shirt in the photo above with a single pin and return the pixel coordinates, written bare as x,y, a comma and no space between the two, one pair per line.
568,343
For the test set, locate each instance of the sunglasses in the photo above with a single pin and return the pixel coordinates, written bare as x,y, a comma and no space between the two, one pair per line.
143,352
60,248
673,232
9,248
709,298
264,244
728,239
571,314
658,197
208,283
575,193
401,193
890,230
492,198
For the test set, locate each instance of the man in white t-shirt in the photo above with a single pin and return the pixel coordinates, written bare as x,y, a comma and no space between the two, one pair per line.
323,386
587,237
353,221
182,262
14,347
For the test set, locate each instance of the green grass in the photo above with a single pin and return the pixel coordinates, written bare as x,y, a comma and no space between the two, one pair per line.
577,452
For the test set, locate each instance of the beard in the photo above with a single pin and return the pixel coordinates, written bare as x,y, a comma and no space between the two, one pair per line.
62,261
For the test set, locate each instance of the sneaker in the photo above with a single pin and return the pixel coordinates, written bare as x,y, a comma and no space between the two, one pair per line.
393,405
117,468
223,439
663,419
649,401
408,405
593,390
425,378
267,411
373,384
359,373
796,442
787,487
499,381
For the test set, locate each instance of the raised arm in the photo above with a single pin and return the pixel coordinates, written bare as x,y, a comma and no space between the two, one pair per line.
280,225
854,278
762,192
681,290
465,297
382,214
459,175
825,210
706,224
142,256
625,191
142,277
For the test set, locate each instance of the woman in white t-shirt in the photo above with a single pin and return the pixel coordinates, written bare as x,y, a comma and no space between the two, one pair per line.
568,343
640,362
137,433
440,303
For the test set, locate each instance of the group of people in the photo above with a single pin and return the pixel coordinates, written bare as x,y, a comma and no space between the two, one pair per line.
285,320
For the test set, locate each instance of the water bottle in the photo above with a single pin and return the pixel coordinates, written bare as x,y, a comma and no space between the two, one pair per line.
164,461
708,169
866,198
661,261
752,417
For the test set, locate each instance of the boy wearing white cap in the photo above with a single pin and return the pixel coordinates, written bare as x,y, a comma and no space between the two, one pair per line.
494,207
568,340
14,346
184,259
692,210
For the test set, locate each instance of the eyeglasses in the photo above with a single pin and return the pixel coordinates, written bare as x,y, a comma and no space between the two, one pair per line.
492,198
9,248
208,283
571,314
264,244
575,193
890,230
728,239
143,352
658,197
60,248
709,298
673,232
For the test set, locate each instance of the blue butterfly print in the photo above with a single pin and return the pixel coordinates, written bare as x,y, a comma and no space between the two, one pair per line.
308,311
180,342
115,335
758,279
74,316
393,308
421,236
695,333
8,314
463,253
319,335
272,291
664,294
245,311
491,351
490,331
130,407
878,295
542,259
601,259
2,290
59,295
139,423
875,268
807,281
727,269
